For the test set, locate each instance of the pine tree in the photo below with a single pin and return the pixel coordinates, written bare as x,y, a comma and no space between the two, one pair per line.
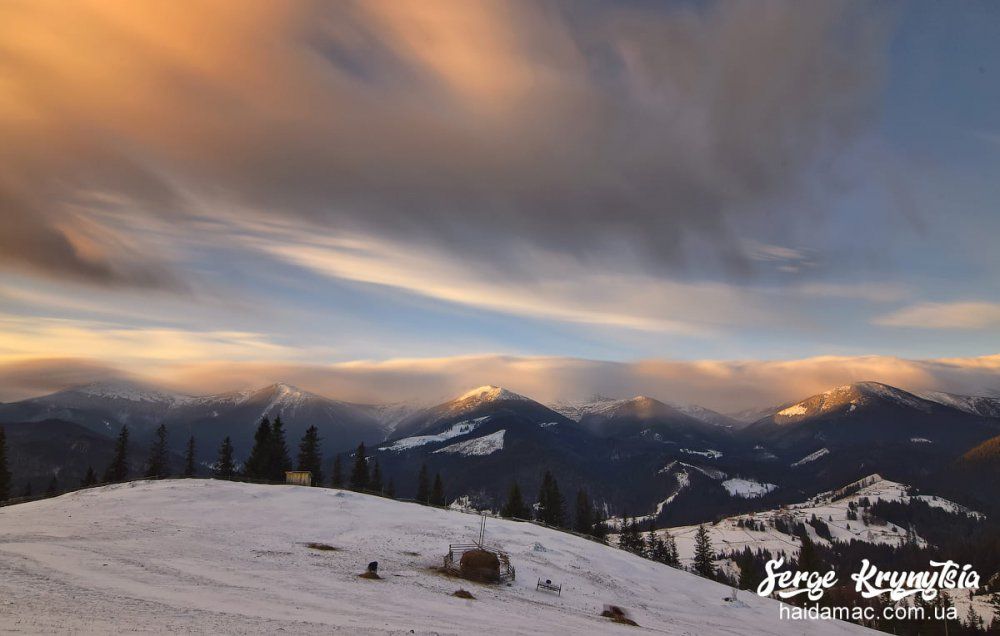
189,458
629,538
673,559
809,559
89,479
157,464
423,485
599,529
704,555
375,483
53,488
337,479
279,459
583,521
257,464
5,476
225,467
310,457
437,492
390,490
118,469
359,474
514,507
550,503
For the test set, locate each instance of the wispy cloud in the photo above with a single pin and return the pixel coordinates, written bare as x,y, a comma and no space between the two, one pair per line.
955,315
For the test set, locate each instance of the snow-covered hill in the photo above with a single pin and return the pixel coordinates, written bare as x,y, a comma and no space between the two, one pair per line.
606,406
759,531
217,557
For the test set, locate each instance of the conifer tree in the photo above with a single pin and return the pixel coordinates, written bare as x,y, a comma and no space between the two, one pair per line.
279,459
189,458
514,507
359,474
310,457
673,559
629,538
26,491
337,479
118,469
704,555
583,520
599,529
225,467
437,491
390,489
423,485
89,479
375,483
53,488
5,476
550,503
156,465
257,464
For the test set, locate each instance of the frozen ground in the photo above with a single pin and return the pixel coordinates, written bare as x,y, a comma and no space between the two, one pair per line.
219,557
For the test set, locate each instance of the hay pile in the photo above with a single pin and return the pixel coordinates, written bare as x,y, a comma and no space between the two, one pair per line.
618,615
480,565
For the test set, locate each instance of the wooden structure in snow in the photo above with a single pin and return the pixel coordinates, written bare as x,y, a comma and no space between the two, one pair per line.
299,477
480,562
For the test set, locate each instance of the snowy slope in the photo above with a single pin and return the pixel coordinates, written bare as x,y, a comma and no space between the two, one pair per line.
831,507
207,556
602,405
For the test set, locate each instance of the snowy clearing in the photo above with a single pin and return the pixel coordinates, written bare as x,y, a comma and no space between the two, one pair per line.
747,488
218,557
811,457
456,430
480,446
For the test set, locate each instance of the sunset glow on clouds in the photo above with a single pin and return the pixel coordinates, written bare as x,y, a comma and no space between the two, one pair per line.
376,198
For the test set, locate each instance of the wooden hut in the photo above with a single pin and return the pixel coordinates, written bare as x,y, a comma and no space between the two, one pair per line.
299,477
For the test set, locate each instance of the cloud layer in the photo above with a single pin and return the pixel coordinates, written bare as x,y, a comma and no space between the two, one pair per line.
719,384
617,136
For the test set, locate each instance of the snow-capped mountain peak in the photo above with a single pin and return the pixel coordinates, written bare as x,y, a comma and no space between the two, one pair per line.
851,396
489,393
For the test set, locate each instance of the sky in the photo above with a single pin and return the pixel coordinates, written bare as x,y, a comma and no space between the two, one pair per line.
729,203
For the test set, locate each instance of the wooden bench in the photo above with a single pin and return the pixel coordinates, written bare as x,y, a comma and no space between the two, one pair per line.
548,586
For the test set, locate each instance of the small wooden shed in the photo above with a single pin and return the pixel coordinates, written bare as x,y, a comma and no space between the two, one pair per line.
299,477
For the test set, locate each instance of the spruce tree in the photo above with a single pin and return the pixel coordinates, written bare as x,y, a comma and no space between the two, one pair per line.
225,467
337,479
117,471
26,491
583,520
670,546
359,473
260,455
704,555
423,485
514,507
189,458
629,538
157,464
550,503
89,479
390,490
5,476
437,492
375,483
599,529
279,458
53,488
310,457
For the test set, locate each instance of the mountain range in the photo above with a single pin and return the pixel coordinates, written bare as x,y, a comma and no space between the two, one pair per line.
676,463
